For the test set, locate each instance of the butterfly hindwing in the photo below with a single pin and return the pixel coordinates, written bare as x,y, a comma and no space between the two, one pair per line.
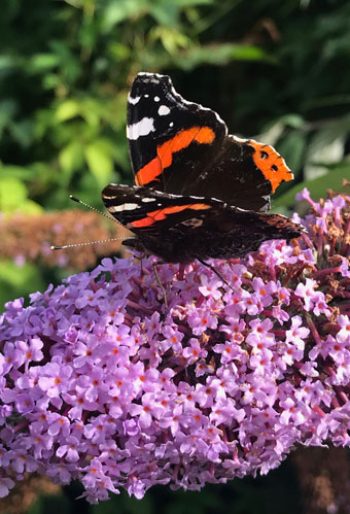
182,228
146,210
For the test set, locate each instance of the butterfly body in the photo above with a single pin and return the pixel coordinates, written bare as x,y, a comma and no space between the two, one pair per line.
200,192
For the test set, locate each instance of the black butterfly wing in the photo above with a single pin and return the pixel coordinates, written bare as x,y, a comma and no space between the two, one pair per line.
183,228
170,139
181,147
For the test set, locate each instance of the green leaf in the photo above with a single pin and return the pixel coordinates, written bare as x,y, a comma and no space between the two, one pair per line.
18,281
30,207
15,172
8,110
168,13
274,131
100,161
118,51
120,10
219,54
7,62
92,110
67,110
330,132
325,137
51,81
293,120
292,148
13,197
116,112
23,132
71,157
43,62
172,40
13,193
326,145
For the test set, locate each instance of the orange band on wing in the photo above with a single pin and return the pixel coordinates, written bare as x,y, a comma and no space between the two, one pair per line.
165,152
161,214
271,164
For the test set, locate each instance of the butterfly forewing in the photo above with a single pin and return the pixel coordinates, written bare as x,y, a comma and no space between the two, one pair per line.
181,147
169,137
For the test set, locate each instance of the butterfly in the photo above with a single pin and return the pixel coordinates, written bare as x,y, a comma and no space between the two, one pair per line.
199,192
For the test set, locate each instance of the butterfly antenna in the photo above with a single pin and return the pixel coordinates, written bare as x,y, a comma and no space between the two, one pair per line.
77,200
88,243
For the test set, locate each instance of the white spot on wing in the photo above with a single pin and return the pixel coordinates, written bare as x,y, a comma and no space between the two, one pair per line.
171,124
141,128
163,110
124,207
108,197
146,200
156,98
134,99
157,78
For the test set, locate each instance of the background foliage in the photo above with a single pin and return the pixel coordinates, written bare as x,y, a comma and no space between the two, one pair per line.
270,68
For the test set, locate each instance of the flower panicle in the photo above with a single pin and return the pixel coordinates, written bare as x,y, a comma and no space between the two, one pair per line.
29,238
105,382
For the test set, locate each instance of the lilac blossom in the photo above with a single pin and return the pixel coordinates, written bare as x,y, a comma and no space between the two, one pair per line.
103,381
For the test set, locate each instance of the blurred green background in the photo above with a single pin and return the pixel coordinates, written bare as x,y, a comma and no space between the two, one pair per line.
275,70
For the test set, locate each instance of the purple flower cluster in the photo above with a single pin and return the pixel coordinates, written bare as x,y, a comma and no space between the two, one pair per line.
104,381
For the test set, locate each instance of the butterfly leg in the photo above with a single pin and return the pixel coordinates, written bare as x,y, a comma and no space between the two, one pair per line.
155,271
217,273
181,272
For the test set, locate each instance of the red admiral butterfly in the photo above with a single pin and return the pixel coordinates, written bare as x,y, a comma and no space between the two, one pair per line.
200,192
